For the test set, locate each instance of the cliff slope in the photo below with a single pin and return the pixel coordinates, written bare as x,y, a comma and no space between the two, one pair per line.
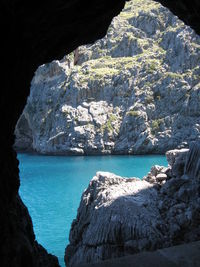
136,90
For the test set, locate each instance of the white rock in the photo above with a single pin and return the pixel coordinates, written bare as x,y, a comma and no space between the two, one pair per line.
161,177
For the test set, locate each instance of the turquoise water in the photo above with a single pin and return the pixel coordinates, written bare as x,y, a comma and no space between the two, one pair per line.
51,187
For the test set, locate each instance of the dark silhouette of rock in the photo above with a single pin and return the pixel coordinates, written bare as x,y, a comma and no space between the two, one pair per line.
186,10
33,33
192,166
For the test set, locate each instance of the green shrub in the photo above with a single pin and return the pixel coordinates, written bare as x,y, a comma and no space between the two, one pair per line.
155,125
133,113
148,84
174,75
149,99
108,125
151,67
112,117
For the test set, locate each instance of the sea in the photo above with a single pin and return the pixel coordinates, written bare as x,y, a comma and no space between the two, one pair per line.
51,188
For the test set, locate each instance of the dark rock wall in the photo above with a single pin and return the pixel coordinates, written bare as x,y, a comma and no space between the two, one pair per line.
32,33
186,10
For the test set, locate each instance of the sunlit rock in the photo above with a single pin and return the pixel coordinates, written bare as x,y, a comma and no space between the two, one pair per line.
136,89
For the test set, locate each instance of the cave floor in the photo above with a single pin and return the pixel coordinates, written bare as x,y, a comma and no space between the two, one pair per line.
186,255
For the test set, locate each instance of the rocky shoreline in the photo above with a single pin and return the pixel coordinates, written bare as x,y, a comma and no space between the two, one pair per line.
119,216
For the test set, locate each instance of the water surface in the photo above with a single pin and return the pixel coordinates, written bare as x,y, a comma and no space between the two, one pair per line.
51,188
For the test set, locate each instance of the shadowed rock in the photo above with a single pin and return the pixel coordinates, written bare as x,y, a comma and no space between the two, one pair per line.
119,216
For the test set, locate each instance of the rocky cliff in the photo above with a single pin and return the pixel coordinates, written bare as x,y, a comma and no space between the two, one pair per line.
136,90
119,216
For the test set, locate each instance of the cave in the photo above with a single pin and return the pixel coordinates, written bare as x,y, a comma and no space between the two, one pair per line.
34,33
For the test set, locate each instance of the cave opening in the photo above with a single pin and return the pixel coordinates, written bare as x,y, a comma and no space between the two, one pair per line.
25,256
86,103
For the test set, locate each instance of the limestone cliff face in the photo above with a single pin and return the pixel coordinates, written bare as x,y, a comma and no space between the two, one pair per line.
135,91
119,216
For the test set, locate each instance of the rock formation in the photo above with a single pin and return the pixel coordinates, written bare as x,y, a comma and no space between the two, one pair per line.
135,91
120,216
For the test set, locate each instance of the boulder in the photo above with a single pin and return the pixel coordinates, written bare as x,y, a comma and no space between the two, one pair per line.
120,216
161,177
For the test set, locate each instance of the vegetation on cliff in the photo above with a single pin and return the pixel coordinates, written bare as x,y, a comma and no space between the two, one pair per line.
136,90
